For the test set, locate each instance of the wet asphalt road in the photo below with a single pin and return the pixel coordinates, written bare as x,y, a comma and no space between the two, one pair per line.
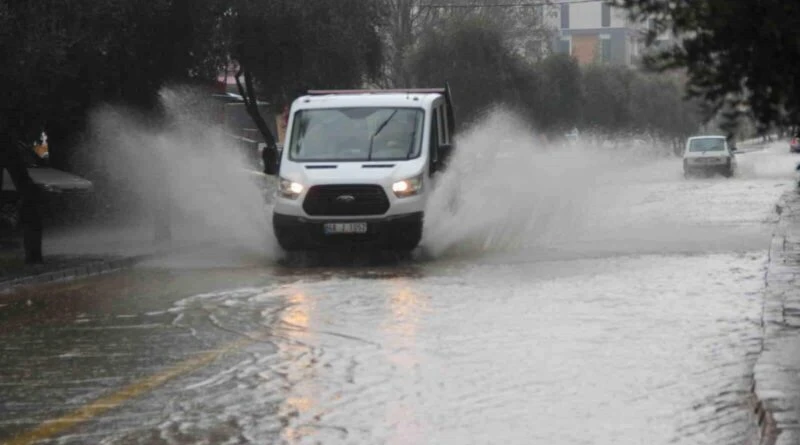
641,327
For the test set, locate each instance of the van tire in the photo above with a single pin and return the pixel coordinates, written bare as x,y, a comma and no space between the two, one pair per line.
406,237
729,172
289,240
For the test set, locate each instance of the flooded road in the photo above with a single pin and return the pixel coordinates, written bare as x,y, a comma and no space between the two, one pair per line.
637,323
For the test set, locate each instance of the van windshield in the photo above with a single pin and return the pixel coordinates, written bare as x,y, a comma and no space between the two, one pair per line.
356,134
707,144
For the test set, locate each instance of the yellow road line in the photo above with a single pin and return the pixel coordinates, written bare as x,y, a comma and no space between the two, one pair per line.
51,428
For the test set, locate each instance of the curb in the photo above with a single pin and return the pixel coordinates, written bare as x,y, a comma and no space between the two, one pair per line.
89,269
93,268
775,375
763,418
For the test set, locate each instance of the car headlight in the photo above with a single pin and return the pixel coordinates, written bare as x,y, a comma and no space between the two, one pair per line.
289,189
407,187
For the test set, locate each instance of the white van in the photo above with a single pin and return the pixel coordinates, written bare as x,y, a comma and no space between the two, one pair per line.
709,154
356,167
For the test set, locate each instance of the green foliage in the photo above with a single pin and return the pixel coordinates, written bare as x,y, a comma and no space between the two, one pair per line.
734,50
559,100
407,22
622,100
66,57
290,46
555,94
481,68
607,97
658,106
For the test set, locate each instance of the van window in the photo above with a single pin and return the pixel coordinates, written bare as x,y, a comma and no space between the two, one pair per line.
356,134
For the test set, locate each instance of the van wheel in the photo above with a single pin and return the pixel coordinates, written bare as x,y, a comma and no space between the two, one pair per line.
289,240
406,237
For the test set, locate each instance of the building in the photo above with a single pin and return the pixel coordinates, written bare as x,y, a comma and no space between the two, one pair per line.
595,32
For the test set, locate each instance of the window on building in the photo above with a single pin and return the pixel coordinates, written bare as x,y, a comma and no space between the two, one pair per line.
564,46
605,49
606,20
564,16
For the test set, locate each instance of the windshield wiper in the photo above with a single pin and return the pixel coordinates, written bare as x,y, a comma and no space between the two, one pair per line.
378,130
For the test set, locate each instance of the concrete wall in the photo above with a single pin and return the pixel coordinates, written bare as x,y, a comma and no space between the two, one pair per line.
585,15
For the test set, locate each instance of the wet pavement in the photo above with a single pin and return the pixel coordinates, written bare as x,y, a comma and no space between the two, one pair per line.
640,325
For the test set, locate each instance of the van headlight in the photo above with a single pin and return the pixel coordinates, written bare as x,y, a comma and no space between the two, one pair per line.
289,189
407,187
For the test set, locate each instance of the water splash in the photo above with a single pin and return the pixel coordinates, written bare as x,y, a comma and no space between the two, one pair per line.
506,187
208,182
509,190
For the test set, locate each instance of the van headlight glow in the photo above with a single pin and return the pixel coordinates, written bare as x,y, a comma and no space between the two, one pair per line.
407,187
290,189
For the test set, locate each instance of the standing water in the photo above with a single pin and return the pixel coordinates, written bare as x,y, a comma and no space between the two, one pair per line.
567,295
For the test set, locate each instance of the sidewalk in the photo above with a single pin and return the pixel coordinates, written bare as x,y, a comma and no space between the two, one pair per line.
777,370
76,253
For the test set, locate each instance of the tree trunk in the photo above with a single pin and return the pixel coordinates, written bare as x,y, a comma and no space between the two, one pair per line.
30,217
247,91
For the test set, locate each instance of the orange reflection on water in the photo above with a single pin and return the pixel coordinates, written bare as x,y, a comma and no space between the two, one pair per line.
401,331
406,307
294,411
300,373
297,313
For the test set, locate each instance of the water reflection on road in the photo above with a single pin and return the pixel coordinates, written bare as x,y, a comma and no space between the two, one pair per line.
624,350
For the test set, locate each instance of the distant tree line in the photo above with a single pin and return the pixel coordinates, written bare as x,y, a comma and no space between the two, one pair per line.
66,57
553,92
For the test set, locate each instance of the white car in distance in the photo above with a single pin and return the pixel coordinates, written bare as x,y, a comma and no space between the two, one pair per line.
709,154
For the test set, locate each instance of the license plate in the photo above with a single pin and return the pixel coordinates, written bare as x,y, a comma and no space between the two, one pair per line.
345,228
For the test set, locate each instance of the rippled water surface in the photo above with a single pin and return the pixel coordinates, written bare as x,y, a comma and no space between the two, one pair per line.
627,350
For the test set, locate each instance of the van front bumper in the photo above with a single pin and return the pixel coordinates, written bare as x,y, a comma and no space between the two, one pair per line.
396,231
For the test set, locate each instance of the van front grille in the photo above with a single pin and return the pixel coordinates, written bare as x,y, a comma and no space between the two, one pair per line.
346,200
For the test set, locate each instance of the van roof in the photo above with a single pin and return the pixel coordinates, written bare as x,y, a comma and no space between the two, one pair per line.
368,98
